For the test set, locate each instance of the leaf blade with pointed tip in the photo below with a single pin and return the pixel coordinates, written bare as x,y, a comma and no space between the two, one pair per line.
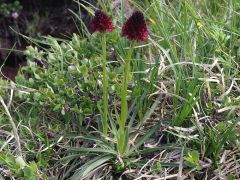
90,166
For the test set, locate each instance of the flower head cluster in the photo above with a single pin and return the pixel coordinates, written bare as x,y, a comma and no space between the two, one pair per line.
135,27
101,22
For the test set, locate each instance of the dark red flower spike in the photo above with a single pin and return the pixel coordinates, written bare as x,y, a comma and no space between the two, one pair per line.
101,22
135,27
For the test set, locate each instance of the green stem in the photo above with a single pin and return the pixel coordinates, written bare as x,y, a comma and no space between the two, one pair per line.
105,85
124,104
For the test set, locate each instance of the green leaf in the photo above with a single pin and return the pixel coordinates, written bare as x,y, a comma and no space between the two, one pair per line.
90,166
192,160
113,125
151,110
69,158
92,150
143,139
146,151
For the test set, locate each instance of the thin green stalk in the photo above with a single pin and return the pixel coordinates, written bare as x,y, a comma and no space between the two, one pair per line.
105,85
124,104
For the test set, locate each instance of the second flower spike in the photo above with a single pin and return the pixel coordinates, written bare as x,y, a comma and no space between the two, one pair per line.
135,27
101,22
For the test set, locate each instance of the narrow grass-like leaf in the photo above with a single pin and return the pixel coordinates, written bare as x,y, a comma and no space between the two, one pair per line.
103,6
141,163
91,150
151,110
90,166
73,166
113,125
89,10
116,114
158,149
226,135
68,158
143,139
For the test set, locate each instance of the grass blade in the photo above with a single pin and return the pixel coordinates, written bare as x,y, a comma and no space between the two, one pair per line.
143,139
90,166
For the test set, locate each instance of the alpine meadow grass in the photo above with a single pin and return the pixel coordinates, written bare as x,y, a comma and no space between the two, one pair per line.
150,95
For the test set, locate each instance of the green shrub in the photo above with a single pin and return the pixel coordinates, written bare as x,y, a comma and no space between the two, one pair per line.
66,77
7,9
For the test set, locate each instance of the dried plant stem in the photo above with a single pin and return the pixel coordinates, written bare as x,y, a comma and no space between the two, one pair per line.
10,99
15,132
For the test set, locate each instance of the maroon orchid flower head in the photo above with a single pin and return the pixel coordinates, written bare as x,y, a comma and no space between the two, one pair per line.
101,22
135,27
